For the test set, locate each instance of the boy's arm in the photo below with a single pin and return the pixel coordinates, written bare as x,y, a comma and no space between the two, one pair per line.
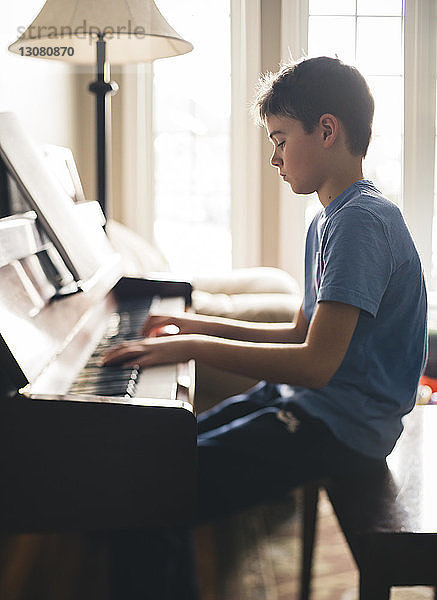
309,364
233,329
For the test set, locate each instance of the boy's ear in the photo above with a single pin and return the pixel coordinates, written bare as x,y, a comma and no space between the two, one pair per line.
328,126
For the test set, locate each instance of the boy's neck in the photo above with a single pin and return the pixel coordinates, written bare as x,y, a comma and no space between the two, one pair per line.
338,183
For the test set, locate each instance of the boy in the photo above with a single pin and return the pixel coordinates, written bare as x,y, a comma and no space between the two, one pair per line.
339,379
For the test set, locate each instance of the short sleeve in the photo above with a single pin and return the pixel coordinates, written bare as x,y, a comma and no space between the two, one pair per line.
355,260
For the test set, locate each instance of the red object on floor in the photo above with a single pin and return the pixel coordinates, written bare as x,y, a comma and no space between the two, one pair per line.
431,381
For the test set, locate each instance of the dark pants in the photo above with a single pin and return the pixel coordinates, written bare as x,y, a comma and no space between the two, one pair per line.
250,448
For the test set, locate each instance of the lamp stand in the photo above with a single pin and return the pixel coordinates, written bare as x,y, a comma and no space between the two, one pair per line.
103,90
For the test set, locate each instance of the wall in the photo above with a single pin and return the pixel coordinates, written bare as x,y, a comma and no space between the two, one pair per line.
121,163
270,204
267,217
86,126
39,91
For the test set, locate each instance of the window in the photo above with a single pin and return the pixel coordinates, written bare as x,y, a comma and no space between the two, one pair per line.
368,34
393,44
192,139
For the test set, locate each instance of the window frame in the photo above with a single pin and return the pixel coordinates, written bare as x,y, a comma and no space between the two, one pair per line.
419,125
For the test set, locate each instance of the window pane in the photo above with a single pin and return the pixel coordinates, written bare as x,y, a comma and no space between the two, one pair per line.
389,104
383,165
334,7
378,7
379,45
332,36
374,44
192,139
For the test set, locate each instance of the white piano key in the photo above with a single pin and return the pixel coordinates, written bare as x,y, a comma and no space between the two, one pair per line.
157,382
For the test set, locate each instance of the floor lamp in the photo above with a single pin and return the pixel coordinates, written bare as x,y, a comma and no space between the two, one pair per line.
100,32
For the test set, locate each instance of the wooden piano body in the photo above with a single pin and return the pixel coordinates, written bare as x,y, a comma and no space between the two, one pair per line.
72,462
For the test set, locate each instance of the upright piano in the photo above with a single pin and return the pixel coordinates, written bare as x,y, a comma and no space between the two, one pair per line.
83,447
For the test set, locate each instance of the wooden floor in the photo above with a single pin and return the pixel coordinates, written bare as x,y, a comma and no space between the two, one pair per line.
250,557
52,567
335,576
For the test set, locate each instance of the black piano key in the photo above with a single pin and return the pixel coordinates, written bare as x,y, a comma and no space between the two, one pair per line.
114,383
104,376
114,380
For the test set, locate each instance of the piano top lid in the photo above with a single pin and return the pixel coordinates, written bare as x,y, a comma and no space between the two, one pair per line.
73,236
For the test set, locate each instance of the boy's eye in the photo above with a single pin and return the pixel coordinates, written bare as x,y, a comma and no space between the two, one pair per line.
281,145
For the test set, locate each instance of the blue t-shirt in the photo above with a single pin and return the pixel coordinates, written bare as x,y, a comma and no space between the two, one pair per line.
360,252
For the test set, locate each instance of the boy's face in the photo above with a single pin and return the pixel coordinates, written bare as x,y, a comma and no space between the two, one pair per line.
297,154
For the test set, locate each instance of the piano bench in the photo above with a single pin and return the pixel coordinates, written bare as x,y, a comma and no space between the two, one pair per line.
388,517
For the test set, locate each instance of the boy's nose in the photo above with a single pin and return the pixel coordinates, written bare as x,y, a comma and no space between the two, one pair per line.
275,161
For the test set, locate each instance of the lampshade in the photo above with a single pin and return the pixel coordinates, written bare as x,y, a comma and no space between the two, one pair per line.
134,30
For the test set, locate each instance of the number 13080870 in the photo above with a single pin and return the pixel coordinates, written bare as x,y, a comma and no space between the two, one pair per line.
46,51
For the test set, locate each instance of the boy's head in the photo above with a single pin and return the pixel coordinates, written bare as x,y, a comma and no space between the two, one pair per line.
312,87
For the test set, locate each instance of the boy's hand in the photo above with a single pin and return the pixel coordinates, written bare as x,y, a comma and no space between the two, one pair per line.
151,351
157,325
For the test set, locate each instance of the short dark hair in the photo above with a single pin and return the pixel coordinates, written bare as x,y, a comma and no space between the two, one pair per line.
307,89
